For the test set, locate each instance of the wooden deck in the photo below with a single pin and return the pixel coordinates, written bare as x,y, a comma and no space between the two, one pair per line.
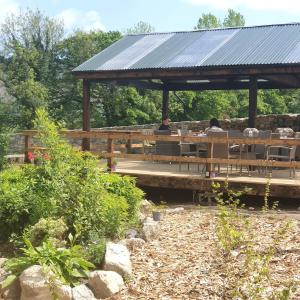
166,175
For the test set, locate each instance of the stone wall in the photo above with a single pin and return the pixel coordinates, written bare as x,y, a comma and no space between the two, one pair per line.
263,122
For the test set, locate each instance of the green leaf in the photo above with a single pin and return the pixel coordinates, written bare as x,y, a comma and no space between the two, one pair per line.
8,281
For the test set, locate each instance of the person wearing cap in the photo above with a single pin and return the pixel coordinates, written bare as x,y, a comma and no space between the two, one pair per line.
165,124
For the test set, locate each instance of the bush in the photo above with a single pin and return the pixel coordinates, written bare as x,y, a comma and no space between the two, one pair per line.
50,229
68,185
4,142
125,187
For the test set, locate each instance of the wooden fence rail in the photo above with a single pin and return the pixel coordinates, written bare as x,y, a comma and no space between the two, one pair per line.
129,136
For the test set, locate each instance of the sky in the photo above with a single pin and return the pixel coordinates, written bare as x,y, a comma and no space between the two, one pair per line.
163,15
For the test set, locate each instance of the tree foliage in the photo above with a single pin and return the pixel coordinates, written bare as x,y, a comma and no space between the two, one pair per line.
140,27
36,66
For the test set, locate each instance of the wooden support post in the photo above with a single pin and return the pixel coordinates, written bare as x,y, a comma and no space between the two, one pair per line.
110,149
27,144
129,146
165,102
86,124
252,102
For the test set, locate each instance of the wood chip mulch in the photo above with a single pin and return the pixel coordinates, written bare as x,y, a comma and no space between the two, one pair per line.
184,262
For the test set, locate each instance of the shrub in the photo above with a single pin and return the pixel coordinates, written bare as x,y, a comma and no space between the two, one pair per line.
4,142
15,206
68,185
125,187
50,229
95,249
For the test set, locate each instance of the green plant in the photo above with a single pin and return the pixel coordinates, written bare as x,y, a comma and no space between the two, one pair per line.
68,265
70,185
231,226
4,142
254,279
50,229
95,249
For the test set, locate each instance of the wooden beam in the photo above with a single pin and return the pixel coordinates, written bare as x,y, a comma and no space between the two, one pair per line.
139,84
287,80
232,85
165,103
252,102
86,123
191,73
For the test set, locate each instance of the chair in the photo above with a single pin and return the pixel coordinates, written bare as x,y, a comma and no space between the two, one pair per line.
261,149
185,148
147,146
221,150
288,156
166,147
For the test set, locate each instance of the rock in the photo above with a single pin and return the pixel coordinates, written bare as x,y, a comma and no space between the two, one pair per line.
146,207
34,285
132,244
131,233
251,208
104,284
175,210
117,258
150,229
12,292
63,292
82,292
141,217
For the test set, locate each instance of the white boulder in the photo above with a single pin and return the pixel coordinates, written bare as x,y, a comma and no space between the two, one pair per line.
34,285
146,207
82,292
117,259
104,284
150,229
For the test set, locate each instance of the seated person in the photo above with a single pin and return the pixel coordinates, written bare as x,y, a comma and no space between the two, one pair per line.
165,124
214,125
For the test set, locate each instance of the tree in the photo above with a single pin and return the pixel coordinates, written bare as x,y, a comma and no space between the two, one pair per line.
233,19
140,27
29,41
207,21
66,93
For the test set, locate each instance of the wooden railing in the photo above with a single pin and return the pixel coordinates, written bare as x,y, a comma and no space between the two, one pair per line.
129,136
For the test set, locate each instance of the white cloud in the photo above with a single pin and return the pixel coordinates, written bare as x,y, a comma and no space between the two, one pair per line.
287,6
7,7
75,19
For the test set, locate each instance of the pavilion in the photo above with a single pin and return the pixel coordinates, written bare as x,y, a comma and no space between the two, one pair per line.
252,58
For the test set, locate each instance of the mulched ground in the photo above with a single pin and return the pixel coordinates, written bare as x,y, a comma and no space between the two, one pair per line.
184,262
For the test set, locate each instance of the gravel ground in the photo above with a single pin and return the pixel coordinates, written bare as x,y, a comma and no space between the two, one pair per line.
184,262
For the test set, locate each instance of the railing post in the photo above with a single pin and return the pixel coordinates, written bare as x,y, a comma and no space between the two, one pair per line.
129,146
86,123
209,155
110,149
27,144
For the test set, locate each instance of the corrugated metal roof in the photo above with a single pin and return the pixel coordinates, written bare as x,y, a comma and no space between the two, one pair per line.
267,45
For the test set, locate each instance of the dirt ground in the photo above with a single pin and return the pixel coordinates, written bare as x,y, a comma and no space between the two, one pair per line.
185,261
